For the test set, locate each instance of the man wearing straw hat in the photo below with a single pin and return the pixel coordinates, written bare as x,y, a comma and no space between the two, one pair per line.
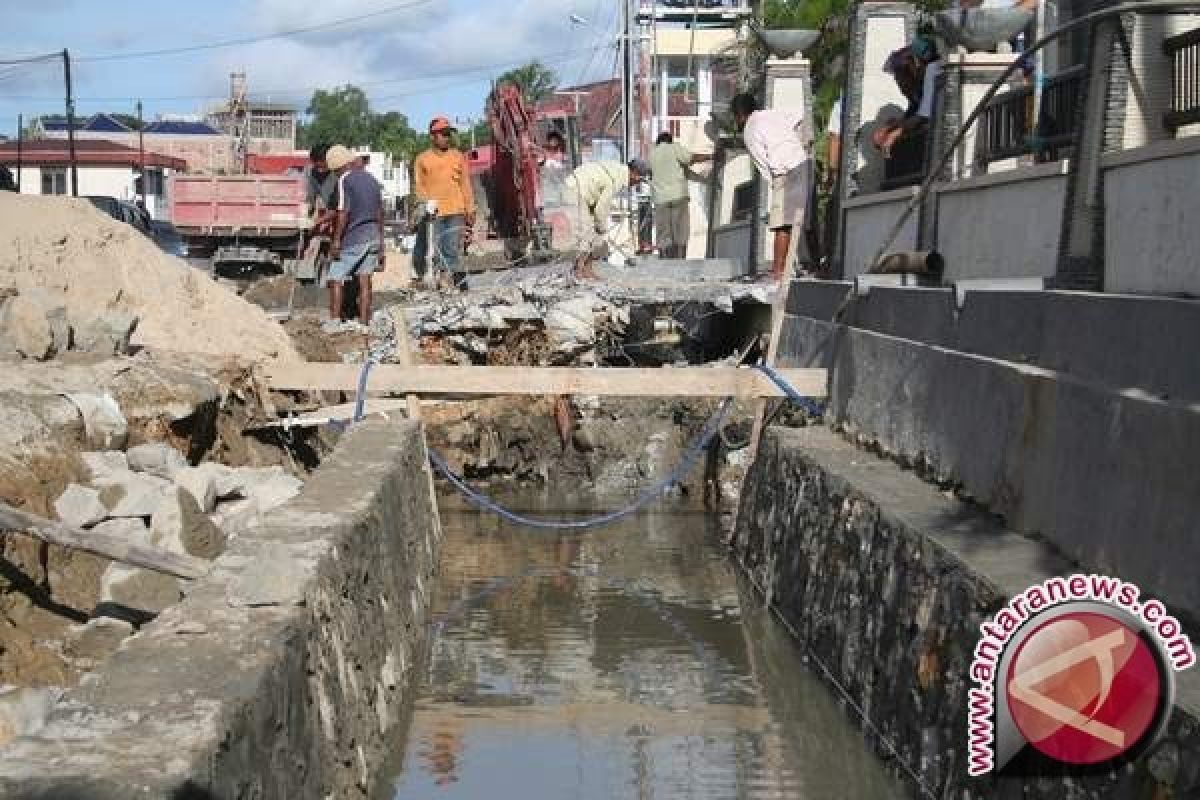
357,235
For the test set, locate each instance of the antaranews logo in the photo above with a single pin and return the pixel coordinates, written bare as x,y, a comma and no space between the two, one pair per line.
1078,670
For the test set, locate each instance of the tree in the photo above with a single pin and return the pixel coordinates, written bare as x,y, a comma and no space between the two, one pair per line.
340,115
537,81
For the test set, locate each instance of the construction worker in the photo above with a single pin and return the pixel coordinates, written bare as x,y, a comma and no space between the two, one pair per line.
779,147
357,249
589,198
443,183
672,220
320,186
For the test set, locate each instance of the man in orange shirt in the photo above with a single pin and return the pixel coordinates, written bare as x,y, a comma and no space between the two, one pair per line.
443,183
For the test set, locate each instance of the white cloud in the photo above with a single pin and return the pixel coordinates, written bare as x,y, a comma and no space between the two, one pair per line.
415,48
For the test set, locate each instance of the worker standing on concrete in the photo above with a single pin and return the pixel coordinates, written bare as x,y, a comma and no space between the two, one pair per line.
591,189
357,235
672,220
779,147
443,183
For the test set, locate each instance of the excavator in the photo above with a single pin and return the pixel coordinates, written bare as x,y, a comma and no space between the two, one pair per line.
524,192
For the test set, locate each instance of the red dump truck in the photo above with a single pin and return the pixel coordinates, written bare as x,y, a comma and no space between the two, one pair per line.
246,225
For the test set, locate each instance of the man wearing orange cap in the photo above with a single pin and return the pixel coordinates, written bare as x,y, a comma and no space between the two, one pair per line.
444,184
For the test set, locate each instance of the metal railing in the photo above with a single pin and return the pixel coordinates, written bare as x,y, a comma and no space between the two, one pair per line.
1184,52
1006,124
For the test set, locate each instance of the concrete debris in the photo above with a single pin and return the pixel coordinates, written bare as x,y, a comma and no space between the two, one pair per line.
34,325
181,527
571,323
275,578
131,529
23,712
103,423
268,487
104,463
201,483
80,506
137,589
134,494
108,333
225,481
96,639
157,459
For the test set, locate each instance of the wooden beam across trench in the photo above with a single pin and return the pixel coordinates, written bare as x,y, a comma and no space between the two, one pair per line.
741,382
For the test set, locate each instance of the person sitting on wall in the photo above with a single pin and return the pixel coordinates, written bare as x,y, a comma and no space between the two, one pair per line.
915,68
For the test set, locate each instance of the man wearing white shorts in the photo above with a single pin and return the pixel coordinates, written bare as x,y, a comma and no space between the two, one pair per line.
777,144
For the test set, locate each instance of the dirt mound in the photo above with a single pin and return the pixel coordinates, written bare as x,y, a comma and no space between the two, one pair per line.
64,244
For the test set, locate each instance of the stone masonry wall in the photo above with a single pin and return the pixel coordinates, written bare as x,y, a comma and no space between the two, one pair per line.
886,580
286,673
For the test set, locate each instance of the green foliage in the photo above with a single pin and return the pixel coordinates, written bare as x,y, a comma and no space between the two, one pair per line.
537,81
341,115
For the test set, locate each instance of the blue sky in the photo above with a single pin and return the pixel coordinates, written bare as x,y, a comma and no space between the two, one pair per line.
428,58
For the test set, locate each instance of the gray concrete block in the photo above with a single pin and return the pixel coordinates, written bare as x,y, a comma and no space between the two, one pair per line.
817,299
157,459
23,711
34,324
80,507
102,464
139,590
131,529
133,494
107,333
201,483
180,526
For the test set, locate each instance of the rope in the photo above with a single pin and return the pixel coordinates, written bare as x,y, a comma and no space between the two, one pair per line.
360,393
807,403
647,496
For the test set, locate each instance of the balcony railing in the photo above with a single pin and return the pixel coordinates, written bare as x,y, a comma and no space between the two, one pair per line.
1006,125
1184,52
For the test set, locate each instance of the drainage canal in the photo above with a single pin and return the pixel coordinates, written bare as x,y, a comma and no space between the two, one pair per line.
624,662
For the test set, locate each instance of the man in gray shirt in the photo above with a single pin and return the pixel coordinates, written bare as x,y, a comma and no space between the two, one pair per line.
357,234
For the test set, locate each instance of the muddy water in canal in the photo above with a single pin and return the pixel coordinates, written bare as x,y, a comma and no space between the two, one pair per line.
624,662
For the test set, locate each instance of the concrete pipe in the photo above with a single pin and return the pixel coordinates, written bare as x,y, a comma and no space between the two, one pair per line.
919,262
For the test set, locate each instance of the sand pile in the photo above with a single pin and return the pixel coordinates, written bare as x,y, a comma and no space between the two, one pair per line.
65,245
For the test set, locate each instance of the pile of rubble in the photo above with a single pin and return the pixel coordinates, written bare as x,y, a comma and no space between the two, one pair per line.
150,495
73,278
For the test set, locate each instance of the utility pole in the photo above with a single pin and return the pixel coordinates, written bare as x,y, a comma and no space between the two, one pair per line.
141,152
626,80
66,56
20,146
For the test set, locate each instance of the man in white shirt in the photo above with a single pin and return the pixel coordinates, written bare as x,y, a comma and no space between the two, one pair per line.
779,147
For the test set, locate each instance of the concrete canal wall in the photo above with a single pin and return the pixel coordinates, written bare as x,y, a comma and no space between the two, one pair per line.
286,672
976,449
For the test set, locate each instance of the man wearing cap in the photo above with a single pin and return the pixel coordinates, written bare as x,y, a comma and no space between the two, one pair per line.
591,189
443,182
357,234
778,143
915,68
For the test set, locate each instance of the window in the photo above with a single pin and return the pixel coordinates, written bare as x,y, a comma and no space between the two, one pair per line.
54,180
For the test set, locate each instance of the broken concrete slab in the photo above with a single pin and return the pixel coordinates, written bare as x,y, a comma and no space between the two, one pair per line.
106,334
23,712
131,529
34,324
80,506
133,494
103,463
96,639
181,527
156,458
277,577
103,422
204,482
268,487
138,589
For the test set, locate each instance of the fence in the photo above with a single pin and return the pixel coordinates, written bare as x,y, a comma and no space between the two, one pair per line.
1006,125
1184,52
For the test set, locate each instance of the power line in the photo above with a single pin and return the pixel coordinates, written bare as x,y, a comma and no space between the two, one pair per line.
336,23
555,57
30,59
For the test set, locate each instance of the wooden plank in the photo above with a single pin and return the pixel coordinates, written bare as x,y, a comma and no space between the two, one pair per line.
611,381
111,547
404,352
